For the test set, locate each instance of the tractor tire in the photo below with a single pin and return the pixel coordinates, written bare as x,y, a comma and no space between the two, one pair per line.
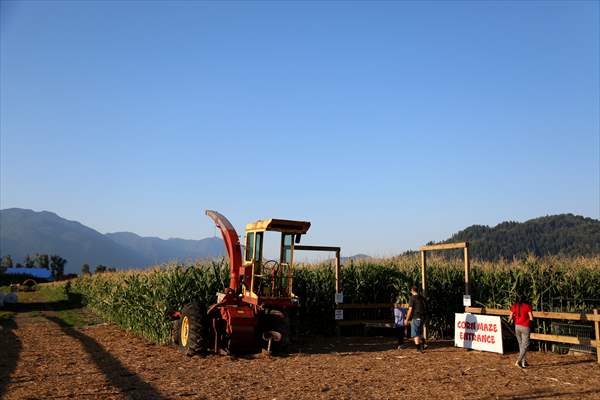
278,321
175,331
193,330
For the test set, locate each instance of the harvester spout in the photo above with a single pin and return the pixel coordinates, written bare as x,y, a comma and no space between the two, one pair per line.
232,244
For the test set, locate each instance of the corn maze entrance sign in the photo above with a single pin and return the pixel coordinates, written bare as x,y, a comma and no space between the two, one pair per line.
478,332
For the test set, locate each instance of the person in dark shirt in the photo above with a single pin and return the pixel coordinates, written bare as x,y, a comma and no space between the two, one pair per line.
417,311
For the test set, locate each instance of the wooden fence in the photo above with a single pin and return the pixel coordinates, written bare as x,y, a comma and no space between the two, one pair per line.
593,317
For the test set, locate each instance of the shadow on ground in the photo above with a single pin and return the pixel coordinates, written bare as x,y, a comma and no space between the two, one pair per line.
129,383
357,344
545,394
72,302
10,347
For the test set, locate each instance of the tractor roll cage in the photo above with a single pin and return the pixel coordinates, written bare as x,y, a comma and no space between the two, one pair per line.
291,232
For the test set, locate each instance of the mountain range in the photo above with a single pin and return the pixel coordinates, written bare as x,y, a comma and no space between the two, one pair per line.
24,232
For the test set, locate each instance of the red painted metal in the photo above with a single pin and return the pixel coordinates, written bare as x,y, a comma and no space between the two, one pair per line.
232,244
241,323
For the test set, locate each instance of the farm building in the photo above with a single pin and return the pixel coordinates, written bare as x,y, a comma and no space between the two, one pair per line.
41,273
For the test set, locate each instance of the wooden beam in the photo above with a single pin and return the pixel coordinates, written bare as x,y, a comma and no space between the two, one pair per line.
424,272
536,314
317,248
424,284
563,315
337,271
597,328
369,306
467,270
487,311
445,246
363,322
562,339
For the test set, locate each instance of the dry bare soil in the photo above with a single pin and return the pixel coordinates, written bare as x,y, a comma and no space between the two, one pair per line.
44,355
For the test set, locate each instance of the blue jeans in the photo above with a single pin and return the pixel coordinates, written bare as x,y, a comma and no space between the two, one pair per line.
416,327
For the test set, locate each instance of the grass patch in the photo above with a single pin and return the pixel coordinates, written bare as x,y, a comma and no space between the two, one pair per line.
6,314
51,299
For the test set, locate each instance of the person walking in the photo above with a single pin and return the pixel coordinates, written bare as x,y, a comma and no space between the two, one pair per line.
522,314
417,312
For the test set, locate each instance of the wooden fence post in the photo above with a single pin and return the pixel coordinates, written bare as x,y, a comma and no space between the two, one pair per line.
597,325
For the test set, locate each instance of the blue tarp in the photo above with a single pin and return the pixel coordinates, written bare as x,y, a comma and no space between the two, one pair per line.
37,272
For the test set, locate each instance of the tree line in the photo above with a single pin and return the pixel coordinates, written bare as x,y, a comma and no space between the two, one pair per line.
54,263
565,235
85,269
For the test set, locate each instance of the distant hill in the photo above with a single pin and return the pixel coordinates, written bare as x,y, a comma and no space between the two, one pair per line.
356,257
160,250
25,232
564,234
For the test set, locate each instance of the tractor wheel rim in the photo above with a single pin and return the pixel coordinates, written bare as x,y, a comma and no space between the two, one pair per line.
185,331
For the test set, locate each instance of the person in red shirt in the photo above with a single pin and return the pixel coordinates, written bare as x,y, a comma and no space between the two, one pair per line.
522,313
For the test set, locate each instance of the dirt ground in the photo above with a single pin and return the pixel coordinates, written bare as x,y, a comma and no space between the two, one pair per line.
43,357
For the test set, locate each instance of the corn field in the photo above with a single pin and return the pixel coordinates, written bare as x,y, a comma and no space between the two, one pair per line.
138,301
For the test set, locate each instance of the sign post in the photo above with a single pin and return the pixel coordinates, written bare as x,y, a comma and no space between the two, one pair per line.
467,300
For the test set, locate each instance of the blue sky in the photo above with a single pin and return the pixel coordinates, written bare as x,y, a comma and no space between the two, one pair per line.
386,124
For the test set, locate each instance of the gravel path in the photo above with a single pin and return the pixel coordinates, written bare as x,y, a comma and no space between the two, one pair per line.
43,358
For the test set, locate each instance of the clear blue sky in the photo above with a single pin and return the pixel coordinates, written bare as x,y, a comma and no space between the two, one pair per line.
386,124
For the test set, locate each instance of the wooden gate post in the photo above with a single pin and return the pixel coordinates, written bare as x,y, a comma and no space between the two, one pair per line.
467,269
424,284
424,271
597,325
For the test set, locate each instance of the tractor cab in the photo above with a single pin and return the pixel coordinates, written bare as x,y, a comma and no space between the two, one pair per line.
270,281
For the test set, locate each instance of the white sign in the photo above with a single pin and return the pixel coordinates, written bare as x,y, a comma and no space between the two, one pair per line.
478,332
467,300
339,315
339,298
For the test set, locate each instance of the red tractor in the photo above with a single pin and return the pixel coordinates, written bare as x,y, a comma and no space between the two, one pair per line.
254,312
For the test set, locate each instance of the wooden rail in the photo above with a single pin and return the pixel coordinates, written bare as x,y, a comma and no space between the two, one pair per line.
444,246
368,323
368,306
536,314
593,317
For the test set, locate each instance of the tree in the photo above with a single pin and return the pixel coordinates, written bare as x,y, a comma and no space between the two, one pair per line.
29,263
43,261
85,269
111,270
19,265
57,266
100,269
6,262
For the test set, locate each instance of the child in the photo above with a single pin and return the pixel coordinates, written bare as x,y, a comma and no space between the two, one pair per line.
399,327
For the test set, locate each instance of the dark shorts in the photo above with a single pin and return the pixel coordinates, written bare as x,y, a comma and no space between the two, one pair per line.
416,327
